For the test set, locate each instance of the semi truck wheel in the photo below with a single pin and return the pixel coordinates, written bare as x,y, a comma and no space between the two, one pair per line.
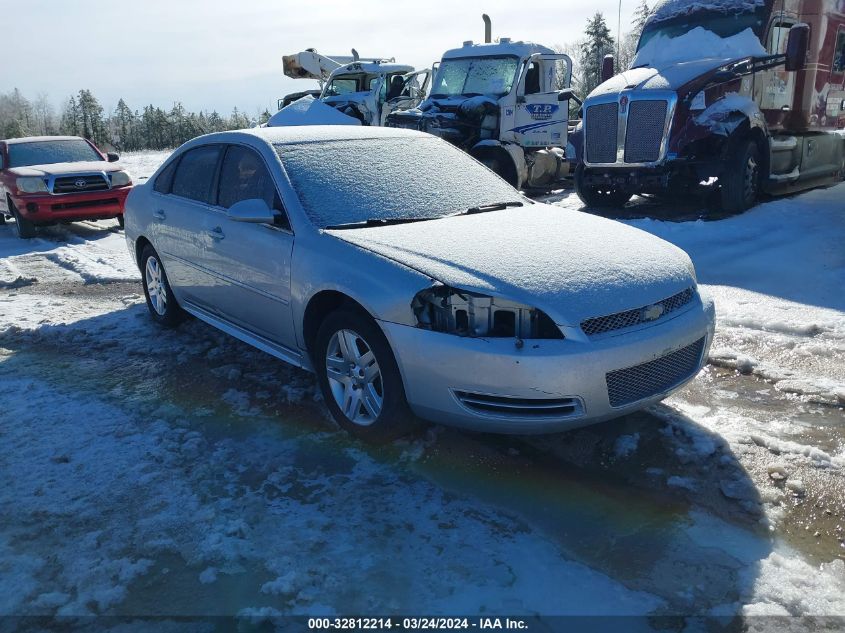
601,197
740,184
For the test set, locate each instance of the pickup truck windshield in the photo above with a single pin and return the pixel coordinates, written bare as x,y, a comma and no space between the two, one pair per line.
50,152
470,76
722,24
364,180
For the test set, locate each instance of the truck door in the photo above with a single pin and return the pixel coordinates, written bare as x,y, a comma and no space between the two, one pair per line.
775,88
539,118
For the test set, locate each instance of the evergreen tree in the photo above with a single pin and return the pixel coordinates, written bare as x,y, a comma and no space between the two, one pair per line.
632,38
70,118
91,118
597,43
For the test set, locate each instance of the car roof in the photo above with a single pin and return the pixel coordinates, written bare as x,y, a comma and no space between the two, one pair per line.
35,139
313,133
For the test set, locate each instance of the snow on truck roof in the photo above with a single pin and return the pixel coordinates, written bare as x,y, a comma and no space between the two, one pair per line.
373,68
502,47
670,9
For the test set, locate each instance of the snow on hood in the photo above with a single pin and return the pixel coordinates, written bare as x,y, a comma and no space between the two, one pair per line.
670,77
661,50
570,264
310,111
58,169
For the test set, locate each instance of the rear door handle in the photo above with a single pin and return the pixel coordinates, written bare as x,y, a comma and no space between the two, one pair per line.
159,215
216,233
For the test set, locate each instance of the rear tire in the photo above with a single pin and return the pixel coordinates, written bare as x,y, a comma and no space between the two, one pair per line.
600,197
360,379
24,229
740,184
160,299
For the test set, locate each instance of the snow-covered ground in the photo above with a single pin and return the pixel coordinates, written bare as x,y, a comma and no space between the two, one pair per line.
181,472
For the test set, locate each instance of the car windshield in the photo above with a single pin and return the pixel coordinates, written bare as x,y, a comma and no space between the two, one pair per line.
722,24
475,76
49,152
354,181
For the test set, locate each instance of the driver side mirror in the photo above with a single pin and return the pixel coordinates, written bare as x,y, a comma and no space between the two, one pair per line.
252,210
568,94
113,158
607,68
796,46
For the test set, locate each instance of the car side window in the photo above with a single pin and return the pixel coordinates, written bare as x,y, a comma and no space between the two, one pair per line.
196,173
244,176
164,181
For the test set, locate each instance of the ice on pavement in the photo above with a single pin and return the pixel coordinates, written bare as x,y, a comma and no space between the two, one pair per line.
310,111
137,458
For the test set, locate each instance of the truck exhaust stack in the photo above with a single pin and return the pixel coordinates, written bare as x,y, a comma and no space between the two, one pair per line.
488,29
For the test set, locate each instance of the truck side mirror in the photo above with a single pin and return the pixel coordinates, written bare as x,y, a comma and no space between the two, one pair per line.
113,158
568,94
796,47
607,70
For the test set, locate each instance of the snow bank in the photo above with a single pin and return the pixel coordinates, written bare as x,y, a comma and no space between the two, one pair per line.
310,111
662,50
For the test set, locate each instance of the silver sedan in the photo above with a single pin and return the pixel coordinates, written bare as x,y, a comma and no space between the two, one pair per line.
415,282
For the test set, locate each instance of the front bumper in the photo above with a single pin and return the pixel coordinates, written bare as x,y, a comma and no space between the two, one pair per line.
437,368
47,209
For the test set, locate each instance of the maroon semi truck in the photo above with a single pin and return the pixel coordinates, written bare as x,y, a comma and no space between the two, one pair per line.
751,93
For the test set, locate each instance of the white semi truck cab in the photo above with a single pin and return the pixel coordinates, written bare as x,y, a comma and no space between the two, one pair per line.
506,103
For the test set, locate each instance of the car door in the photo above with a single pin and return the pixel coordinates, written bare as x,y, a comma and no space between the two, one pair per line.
539,118
251,261
181,197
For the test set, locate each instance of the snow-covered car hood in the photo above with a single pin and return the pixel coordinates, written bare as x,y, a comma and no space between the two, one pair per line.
59,169
571,265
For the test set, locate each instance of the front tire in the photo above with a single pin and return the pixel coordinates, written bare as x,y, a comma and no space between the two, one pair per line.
599,197
160,299
360,379
24,229
120,220
740,184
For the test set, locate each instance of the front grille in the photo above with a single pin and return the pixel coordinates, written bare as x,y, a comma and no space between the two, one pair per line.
630,318
644,136
601,124
86,204
520,407
78,184
626,386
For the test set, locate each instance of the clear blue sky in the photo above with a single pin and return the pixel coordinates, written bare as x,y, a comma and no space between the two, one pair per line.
219,55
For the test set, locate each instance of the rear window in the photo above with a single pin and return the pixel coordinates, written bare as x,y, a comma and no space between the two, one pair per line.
195,173
349,181
51,152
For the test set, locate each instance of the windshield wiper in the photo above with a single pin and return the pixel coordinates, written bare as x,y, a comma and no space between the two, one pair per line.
374,222
496,206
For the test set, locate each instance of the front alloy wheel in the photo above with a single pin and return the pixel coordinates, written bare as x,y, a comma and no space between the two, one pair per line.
359,377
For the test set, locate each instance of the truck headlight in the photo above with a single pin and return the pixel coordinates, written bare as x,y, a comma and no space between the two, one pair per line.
444,309
31,184
120,178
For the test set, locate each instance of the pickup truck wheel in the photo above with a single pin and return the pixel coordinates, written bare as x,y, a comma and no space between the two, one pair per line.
24,229
360,379
740,184
160,300
120,220
601,197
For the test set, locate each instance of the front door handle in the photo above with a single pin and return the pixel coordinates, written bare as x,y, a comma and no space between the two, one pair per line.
159,215
216,233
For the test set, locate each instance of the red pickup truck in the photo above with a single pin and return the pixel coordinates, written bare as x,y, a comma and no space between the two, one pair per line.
50,179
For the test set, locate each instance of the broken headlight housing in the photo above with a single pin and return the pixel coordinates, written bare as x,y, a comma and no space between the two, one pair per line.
453,311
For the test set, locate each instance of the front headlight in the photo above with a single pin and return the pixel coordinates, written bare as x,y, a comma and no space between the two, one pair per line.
31,184
453,311
120,178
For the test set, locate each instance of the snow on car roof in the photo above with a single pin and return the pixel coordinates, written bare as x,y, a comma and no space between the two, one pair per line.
520,49
310,133
36,139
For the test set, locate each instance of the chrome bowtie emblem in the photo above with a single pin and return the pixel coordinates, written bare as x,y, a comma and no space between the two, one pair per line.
79,183
651,313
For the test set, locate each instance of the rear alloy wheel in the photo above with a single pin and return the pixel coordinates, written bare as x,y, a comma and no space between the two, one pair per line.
24,229
160,300
360,379
601,197
740,184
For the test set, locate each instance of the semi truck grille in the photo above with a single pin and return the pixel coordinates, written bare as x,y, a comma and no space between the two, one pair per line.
644,136
76,184
636,316
626,386
520,407
602,123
